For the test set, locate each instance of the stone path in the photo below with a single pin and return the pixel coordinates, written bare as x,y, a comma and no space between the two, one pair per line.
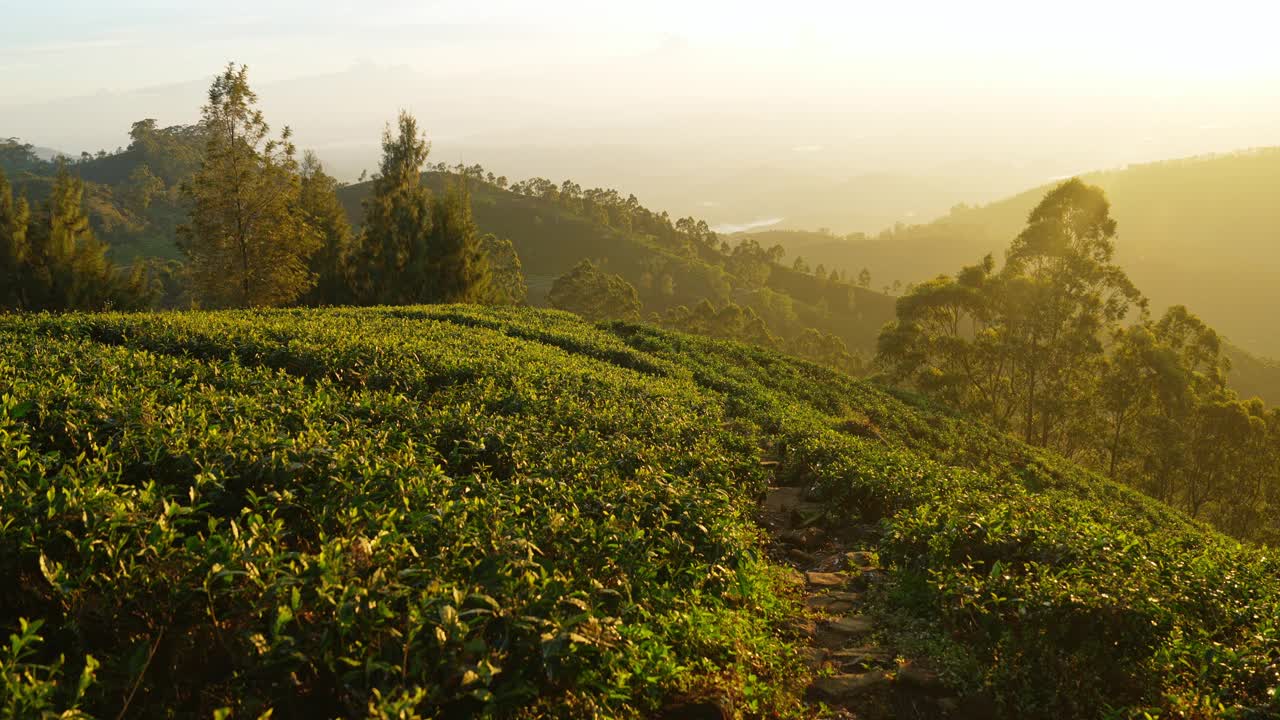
856,676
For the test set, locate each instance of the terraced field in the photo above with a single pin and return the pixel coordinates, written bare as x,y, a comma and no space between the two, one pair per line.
452,511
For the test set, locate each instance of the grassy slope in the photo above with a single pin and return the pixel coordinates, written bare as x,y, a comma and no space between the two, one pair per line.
550,241
455,507
1199,232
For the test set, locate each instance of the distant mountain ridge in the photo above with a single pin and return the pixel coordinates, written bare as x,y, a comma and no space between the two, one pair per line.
1201,231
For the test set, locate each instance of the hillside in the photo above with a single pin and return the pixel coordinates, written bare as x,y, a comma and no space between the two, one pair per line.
1252,376
134,204
1200,232
446,510
550,241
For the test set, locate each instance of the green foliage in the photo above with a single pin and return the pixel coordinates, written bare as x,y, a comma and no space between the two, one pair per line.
52,260
32,690
507,285
17,158
318,201
1039,348
735,322
731,322
451,510
171,154
595,294
14,248
66,266
459,268
393,263
414,247
406,512
1056,593
670,263
247,240
1175,216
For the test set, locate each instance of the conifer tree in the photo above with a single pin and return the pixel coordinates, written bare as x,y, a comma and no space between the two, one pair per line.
14,216
459,268
67,268
392,266
247,240
323,211
415,248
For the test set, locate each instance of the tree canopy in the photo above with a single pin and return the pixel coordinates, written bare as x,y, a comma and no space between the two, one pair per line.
247,240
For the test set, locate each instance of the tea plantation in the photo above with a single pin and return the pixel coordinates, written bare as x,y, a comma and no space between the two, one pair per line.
450,511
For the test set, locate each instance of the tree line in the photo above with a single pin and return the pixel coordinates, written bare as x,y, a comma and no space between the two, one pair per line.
258,225
262,227
1059,347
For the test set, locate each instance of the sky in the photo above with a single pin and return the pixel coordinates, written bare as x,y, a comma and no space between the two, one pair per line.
1170,49
1009,91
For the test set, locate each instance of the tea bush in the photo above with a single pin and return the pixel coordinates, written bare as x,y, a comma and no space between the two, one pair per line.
455,511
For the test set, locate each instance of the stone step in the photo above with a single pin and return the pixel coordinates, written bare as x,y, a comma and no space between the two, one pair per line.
865,655
848,686
826,579
828,604
852,626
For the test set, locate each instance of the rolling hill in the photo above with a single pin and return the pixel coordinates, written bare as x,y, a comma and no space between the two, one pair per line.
1201,232
452,511
550,241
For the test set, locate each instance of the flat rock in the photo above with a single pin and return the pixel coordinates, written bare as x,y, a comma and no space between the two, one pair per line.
807,513
782,499
695,709
826,603
826,579
860,656
814,657
807,538
852,626
799,556
847,686
868,578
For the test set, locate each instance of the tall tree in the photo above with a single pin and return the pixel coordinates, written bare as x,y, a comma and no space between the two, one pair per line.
1064,294
14,216
949,339
318,200
67,267
1051,347
247,240
392,262
459,269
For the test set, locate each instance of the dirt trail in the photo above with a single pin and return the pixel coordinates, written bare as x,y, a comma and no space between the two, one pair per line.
857,677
